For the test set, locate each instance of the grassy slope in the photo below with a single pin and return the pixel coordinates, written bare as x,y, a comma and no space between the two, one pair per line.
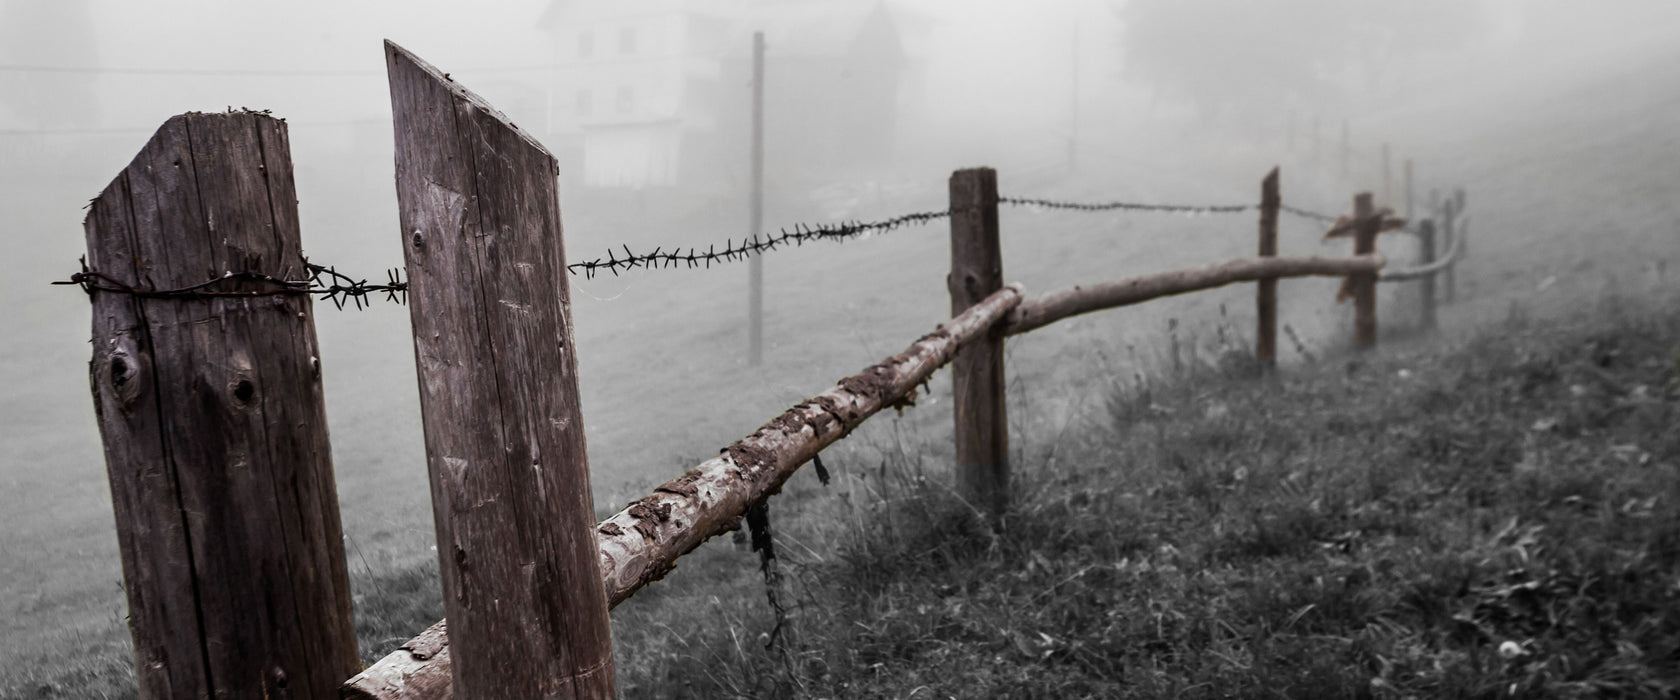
1488,520
1382,526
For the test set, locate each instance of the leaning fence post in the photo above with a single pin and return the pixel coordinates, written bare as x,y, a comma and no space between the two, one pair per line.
211,411
479,208
1426,291
1368,224
982,429
1270,201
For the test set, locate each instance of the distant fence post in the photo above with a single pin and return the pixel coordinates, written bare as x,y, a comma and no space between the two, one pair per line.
1408,177
1426,292
1387,178
1266,343
1347,148
1449,232
479,207
982,428
1368,224
211,411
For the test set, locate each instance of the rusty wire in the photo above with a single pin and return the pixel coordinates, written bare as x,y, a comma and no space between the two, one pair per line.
340,289
326,282
734,250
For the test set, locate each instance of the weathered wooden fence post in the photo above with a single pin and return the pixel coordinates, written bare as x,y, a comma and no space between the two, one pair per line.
1270,201
211,410
1347,147
1387,178
480,216
1409,206
1368,224
1426,290
982,428
1449,232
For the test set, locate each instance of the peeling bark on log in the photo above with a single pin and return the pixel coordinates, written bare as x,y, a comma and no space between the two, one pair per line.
641,544
1053,307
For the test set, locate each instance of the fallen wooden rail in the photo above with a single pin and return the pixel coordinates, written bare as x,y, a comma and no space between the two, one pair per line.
640,544
1427,269
1053,307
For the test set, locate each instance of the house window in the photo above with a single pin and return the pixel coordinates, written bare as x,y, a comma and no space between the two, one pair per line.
626,100
627,40
583,103
586,44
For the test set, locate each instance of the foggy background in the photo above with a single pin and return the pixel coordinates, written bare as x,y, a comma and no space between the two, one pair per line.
1561,117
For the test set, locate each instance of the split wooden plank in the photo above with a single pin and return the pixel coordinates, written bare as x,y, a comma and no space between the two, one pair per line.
479,207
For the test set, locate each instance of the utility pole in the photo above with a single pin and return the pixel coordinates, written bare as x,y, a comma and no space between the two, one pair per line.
755,264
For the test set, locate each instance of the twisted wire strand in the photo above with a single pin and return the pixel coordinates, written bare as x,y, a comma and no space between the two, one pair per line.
326,282
1129,206
733,250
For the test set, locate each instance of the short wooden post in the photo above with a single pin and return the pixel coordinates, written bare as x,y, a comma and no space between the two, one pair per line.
211,412
1266,299
1365,283
1449,232
1426,290
490,304
982,428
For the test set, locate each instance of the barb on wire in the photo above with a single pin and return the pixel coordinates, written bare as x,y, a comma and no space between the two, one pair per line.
1130,206
733,250
327,282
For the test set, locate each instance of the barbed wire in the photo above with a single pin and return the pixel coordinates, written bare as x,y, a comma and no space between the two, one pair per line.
739,250
1130,206
340,289
1307,214
324,281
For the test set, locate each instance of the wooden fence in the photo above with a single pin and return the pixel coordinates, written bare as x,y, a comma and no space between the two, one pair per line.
207,388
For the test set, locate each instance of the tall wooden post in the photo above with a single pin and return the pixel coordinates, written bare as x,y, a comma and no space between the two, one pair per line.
1270,201
755,264
1426,292
1365,283
982,428
491,310
212,416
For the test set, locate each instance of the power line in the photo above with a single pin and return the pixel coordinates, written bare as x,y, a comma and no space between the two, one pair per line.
238,72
